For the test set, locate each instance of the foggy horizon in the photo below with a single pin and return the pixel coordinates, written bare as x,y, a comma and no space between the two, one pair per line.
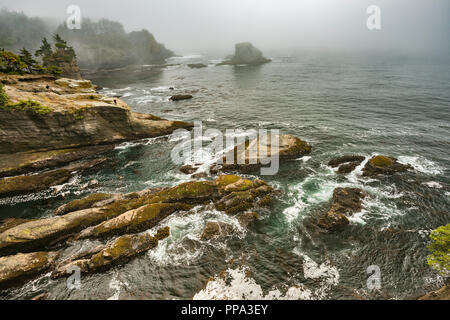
281,28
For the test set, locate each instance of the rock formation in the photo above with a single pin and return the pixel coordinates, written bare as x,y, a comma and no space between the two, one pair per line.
346,201
246,53
383,165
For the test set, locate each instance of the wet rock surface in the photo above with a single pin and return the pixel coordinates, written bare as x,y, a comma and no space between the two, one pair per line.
346,202
346,163
179,97
260,151
383,165
15,269
122,217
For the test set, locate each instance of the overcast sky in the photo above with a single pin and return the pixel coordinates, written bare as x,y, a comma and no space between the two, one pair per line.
202,26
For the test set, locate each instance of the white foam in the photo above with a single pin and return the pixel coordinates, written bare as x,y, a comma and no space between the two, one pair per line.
243,287
189,226
421,164
433,184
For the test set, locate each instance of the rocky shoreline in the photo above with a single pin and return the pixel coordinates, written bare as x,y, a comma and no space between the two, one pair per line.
68,130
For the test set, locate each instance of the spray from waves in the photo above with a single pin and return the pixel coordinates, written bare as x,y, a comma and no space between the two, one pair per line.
422,164
236,284
189,227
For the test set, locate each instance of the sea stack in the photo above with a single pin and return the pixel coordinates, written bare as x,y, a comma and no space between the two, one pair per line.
246,53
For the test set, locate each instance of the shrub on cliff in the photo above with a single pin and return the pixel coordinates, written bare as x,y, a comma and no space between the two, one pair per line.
3,97
440,249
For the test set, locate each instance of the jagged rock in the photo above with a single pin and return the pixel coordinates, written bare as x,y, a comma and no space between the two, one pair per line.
42,296
346,163
215,229
246,53
120,251
84,203
44,232
247,218
134,221
197,65
383,165
26,184
179,97
17,268
346,201
252,155
188,169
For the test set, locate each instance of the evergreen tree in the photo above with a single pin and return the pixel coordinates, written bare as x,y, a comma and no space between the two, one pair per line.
27,58
45,50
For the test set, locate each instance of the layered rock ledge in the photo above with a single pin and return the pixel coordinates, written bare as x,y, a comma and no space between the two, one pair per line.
67,113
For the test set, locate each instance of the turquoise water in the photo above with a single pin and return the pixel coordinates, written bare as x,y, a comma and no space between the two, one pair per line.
340,104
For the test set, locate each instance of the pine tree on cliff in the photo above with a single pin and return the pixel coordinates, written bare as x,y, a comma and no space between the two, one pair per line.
27,58
45,51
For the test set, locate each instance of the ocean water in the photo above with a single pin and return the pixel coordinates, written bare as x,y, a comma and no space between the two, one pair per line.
339,103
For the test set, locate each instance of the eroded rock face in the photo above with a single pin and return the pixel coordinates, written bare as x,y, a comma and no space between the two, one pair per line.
246,53
383,165
259,151
346,202
16,268
346,163
76,116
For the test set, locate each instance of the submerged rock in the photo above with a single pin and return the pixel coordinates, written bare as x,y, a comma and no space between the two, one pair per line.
260,151
346,163
246,53
17,268
215,229
178,97
197,65
247,218
383,165
346,202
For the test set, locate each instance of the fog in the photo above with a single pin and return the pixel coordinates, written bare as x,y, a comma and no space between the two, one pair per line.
276,26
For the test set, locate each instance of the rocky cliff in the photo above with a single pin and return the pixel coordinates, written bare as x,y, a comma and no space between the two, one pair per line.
43,113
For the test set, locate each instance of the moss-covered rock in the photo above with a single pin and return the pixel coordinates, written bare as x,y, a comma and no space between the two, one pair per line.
17,268
81,204
134,221
121,250
41,233
26,184
162,233
383,165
